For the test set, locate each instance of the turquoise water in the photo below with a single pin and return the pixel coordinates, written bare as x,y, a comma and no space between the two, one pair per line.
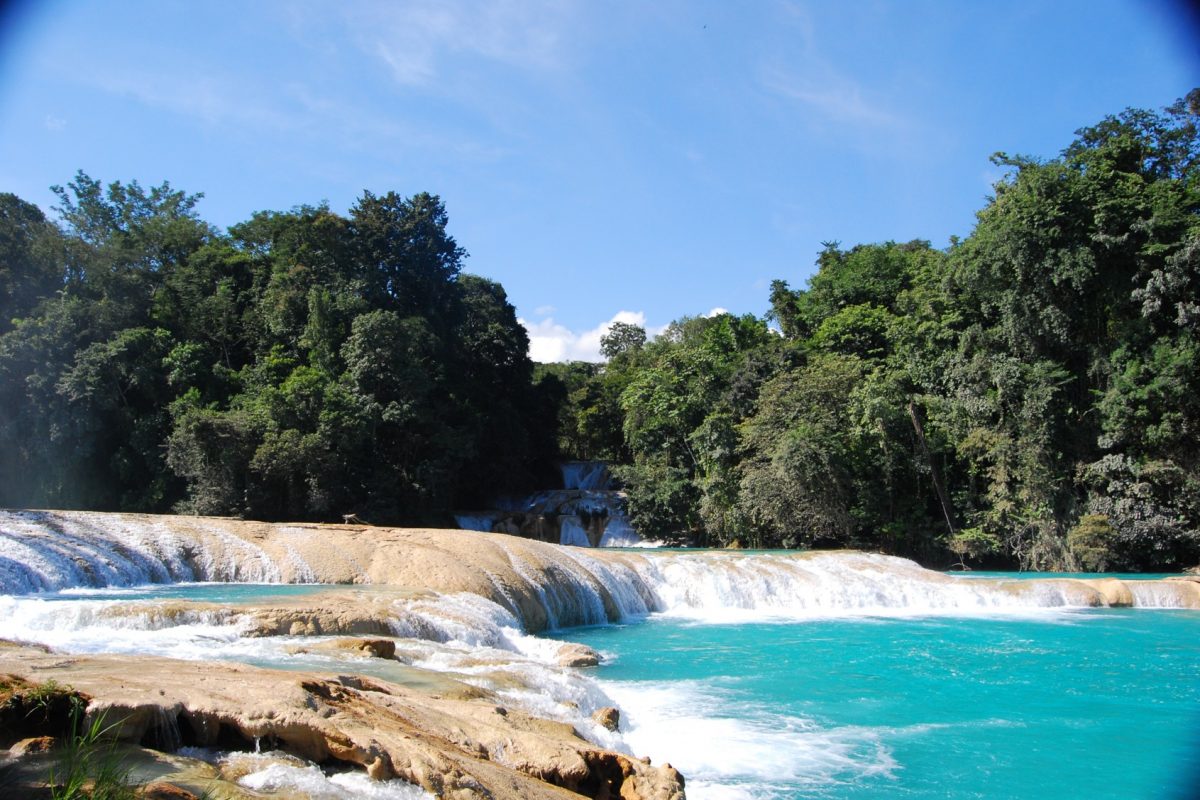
1096,704
194,592
1125,576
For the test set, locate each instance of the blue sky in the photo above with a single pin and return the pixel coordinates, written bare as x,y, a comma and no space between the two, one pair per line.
602,159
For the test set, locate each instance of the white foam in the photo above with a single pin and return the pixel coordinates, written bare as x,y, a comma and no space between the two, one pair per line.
729,587
43,552
311,782
723,747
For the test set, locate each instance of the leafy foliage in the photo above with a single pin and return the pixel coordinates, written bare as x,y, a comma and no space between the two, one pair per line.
304,365
1027,397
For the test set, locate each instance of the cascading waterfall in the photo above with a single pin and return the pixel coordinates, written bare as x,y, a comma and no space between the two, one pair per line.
586,475
586,512
45,552
40,551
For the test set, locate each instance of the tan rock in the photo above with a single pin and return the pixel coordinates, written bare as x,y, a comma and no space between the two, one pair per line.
608,717
453,748
161,790
332,613
577,655
375,648
421,560
1114,593
35,744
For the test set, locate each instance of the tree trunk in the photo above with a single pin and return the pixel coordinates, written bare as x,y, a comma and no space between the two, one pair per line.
938,486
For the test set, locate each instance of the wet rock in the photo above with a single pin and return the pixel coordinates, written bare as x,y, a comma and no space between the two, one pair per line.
460,749
608,717
577,655
161,790
35,744
376,648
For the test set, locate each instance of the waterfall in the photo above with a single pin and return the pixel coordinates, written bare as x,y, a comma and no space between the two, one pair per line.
586,475
46,551
722,586
573,532
1162,594
541,585
586,512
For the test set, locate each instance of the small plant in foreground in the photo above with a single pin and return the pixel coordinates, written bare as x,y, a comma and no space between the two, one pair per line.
89,767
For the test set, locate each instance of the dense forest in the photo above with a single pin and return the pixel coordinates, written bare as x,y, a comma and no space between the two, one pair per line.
303,365
1029,396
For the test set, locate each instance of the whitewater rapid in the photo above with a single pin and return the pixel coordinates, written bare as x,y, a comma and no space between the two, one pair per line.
543,586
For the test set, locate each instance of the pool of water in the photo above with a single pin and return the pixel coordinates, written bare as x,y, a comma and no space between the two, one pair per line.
1096,704
194,592
1125,576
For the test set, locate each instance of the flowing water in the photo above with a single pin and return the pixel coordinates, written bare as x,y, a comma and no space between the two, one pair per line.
587,511
758,675
1087,703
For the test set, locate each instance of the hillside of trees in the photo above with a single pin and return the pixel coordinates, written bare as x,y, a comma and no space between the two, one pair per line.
303,365
1029,396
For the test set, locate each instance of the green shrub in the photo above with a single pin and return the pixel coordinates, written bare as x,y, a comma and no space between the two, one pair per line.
1090,542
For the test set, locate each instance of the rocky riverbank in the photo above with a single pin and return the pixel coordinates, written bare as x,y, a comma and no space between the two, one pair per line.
453,740
425,727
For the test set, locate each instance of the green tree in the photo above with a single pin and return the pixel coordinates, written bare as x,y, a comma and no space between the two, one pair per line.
30,265
405,255
797,471
621,338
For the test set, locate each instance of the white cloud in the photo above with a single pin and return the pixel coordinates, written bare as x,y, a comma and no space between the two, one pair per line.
413,38
549,341
807,76
55,124
292,108
716,312
217,100
836,98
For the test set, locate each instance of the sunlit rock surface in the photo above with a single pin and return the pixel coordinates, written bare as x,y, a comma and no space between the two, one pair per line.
450,747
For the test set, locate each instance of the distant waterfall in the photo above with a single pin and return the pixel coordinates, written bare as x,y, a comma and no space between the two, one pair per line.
586,475
586,512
